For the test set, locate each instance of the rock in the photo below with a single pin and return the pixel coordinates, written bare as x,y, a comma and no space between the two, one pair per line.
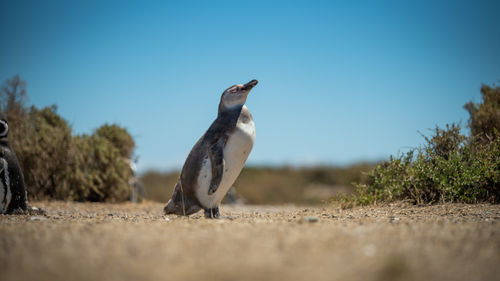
37,218
311,219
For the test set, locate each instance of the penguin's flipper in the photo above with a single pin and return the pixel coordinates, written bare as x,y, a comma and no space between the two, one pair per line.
216,154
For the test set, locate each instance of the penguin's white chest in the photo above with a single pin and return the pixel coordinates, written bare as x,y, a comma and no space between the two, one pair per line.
236,151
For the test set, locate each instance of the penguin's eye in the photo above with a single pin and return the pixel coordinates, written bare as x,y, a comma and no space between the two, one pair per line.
233,90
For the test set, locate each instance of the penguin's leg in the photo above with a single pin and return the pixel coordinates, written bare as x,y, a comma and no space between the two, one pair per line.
216,154
19,203
212,213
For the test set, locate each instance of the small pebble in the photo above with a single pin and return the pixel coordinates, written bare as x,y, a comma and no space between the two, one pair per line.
311,219
37,219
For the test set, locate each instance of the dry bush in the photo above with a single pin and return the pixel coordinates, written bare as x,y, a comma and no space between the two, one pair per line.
485,116
58,165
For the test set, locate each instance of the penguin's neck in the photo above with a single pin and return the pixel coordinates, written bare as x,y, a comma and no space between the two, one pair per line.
229,115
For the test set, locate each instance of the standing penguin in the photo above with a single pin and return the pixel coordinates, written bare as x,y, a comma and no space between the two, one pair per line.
217,158
12,191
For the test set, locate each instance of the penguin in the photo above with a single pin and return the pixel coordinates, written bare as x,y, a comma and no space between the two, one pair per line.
13,199
217,158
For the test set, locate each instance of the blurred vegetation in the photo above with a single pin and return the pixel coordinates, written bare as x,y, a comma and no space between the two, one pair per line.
159,185
450,167
59,165
267,185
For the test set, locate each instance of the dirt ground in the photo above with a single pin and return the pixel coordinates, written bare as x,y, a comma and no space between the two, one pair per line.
92,241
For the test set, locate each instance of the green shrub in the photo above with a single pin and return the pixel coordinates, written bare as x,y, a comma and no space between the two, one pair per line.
118,137
100,172
450,167
45,154
58,165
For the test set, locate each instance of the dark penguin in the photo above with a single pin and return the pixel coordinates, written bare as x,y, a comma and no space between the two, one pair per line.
12,191
217,158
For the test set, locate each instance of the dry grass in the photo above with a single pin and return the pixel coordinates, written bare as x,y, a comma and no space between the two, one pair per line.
275,186
84,241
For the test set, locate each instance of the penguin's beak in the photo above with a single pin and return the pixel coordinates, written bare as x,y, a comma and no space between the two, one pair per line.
248,86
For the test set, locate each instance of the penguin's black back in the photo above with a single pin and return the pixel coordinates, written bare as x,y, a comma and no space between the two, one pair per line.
223,125
15,180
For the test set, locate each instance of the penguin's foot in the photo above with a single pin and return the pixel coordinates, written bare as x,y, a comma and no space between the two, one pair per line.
32,211
35,211
212,213
18,211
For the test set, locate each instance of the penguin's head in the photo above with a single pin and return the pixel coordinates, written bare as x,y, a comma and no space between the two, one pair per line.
236,95
181,204
4,128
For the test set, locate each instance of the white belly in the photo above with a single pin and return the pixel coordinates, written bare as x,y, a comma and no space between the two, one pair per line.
236,152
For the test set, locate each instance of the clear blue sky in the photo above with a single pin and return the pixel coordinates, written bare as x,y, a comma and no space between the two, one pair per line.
340,81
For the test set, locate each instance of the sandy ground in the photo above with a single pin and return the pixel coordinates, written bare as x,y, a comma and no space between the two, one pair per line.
84,241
